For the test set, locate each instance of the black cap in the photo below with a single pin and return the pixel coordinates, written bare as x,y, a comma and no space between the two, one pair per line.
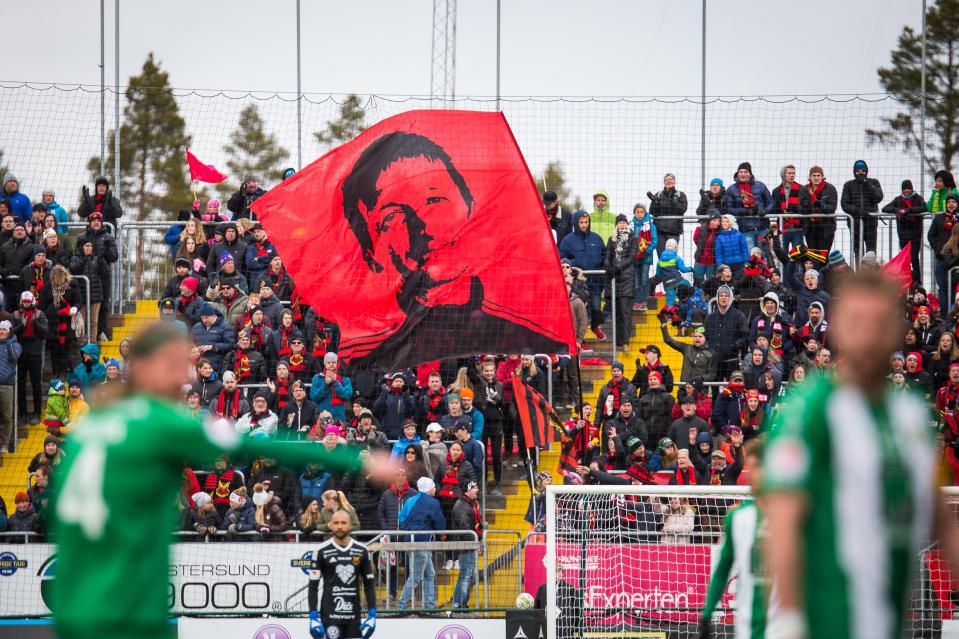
621,218
907,184
182,261
549,197
652,348
687,399
166,304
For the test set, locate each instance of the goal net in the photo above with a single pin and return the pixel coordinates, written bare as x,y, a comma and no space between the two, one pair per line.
635,561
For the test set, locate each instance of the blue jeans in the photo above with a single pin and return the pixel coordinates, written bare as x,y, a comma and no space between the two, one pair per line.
793,237
703,271
464,584
671,292
421,571
642,283
752,239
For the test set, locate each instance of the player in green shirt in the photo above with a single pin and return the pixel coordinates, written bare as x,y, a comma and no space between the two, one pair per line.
849,482
113,543
743,549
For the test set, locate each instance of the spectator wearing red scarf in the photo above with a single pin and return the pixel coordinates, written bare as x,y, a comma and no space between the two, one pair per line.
612,393
101,201
31,329
229,403
818,197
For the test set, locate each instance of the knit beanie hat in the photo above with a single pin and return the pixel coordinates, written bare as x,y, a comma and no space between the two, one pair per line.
745,165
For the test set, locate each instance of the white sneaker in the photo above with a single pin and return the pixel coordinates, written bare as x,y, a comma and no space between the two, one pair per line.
449,564
456,564
102,338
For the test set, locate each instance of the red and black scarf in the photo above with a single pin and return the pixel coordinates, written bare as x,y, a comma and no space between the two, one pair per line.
687,479
319,338
230,411
451,479
616,392
746,193
241,365
815,191
63,320
399,491
297,364
261,249
28,316
282,394
36,284
790,202
434,402
776,326
286,333
218,486
255,331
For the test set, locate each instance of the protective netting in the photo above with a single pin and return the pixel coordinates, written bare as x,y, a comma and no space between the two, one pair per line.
622,145
630,562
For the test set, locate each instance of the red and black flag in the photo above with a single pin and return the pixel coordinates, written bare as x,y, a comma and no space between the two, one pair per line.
424,238
535,413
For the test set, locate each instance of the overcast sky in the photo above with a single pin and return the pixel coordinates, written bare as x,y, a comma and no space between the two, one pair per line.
555,47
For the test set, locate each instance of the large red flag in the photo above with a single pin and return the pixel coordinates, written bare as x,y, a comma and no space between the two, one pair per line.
424,238
203,172
900,268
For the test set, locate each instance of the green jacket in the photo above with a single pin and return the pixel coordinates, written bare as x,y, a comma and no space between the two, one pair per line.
58,409
603,222
937,199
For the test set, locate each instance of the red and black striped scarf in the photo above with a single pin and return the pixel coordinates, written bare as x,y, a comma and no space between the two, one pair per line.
615,391
256,337
746,193
218,486
231,411
282,392
477,517
285,335
261,249
319,339
451,479
790,202
295,305
297,363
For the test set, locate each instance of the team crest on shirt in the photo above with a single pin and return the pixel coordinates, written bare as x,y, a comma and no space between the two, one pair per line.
333,632
345,573
356,561
787,460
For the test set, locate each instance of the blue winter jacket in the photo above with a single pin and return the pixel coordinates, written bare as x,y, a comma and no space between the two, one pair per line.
696,302
399,446
245,517
97,372
636,226
61,213
172,237
219,336
10,350
670,268
764,203
584,250
332,397
730,248
20,205
422,512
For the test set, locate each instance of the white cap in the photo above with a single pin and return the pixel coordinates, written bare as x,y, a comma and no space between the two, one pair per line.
425,484
49,233
228,376
434,428
27,296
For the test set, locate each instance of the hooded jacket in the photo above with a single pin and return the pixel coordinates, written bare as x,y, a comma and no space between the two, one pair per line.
908,212
620,266
655,407
805,297
603,221
726,332
860,197
777,324
639,227
753,219
20,204
93,371
583,249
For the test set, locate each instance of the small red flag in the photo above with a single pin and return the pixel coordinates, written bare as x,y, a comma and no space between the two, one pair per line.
535,414
203,172
900,267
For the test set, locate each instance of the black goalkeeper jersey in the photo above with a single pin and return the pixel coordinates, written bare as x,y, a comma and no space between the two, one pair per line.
344,571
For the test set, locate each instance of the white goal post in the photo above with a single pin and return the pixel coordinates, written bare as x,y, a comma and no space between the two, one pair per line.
635,561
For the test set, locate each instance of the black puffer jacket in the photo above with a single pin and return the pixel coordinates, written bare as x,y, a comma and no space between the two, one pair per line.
14,255
707,201
669,203
621,268
94,268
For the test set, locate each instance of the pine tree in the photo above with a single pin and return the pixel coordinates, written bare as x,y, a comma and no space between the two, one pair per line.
154,180
903,80
553,178
252,150
347,126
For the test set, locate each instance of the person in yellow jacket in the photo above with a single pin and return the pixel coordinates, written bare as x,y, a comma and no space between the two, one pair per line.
602,219
78,406
944,186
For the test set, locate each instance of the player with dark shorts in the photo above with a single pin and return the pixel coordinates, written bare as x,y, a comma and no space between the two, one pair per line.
345,566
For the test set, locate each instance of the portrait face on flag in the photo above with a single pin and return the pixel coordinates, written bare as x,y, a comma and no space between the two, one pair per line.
424,238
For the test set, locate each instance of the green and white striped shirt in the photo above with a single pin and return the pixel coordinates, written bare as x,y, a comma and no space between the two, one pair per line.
867,470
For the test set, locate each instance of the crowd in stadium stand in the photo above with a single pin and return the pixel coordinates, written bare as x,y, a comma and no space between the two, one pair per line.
752,308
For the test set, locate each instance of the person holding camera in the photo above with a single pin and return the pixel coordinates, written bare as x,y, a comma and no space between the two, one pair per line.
249,192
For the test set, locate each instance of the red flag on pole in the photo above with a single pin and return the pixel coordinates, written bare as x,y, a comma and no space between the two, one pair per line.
900,268
203,172
535,414
424,238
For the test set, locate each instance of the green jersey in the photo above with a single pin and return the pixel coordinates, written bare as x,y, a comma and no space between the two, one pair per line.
866,469
114,514
742,550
